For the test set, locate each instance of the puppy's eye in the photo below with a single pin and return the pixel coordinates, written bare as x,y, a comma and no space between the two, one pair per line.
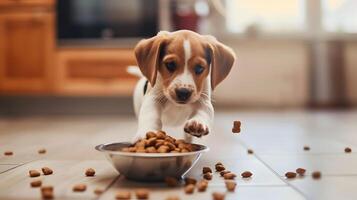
199,69
171,66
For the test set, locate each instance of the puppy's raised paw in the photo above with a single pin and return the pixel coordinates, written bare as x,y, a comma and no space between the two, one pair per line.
196,128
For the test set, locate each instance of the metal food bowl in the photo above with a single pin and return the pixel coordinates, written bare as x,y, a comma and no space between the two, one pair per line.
150,166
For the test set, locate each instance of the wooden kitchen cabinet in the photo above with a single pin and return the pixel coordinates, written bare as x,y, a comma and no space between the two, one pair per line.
27,44
88,72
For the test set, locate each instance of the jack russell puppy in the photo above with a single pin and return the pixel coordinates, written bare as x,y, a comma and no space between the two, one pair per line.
180,69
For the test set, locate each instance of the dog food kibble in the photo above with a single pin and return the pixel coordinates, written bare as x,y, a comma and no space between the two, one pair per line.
231,186
207,176
34,173
301,171
247,174
159,142
290,174
220,168
98,191
171,181
123,195
90,172
8,153
218,196
222,173
229,176
316,175
348,150
202,185
236,127
306,148
142,194
189,188
79,188
206,169
41,151
250,151
189,181
47,192
36,183
173,198
47,171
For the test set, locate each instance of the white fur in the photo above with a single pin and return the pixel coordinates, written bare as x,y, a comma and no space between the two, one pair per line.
153,114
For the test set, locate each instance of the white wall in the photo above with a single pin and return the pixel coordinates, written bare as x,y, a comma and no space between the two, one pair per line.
267,73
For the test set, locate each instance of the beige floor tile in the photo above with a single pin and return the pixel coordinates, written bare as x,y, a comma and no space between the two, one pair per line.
16,183
328,164
328,187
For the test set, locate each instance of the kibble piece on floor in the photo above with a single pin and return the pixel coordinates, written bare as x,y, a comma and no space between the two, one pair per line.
206,169
231,185
202,185
247,174
8,153
290,175
47,171
236,127
41,151
79,188
47,192
316,175
207,176
47,195
250,151
306,148
123,195
348,150
229,176
220,168
173,198
36,183
142,194
218,196
90,172
98,191
189,180
222,173
171,181
301,171
47,188
189,188
34,173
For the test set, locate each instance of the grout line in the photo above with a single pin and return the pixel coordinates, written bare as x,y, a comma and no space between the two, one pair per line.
272,170
108,187
16,166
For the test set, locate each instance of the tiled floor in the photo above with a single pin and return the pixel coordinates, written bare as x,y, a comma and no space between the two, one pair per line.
277,139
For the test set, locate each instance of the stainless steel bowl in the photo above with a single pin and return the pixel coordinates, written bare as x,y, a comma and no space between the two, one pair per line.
150,166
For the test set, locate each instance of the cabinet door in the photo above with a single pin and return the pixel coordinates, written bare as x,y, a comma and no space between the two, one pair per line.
26,51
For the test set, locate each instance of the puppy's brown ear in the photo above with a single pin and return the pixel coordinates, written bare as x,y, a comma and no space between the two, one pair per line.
222,59
147,54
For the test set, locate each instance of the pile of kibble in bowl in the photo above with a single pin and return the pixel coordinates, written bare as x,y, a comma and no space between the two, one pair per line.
159,142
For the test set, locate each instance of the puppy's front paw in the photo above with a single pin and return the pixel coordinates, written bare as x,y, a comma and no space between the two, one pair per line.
196,128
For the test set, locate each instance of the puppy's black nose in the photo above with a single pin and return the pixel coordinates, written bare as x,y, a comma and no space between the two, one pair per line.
183,94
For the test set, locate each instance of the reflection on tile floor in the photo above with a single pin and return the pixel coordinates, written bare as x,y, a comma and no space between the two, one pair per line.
277,139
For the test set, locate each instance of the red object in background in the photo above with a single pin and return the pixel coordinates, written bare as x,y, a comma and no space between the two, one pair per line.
187,21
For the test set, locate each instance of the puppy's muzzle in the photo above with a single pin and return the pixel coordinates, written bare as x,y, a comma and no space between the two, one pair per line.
183,95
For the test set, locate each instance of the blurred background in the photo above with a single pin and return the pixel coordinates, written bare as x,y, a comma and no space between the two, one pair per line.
70,56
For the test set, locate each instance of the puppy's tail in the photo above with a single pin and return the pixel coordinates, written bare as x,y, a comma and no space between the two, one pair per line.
134,70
